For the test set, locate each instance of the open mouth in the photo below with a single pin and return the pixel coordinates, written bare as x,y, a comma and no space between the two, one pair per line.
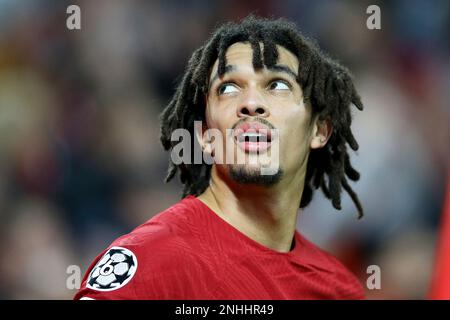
253,137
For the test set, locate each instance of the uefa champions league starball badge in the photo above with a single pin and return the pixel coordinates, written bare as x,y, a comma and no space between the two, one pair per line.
114,270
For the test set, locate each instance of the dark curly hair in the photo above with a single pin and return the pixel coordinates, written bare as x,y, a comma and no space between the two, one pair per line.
326,84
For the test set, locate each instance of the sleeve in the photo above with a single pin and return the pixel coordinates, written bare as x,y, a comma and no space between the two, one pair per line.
111,276
355,291
350,287
158,270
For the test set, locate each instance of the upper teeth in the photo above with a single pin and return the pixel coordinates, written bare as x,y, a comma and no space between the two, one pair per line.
252,136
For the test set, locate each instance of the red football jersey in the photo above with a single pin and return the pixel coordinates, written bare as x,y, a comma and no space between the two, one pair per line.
189,252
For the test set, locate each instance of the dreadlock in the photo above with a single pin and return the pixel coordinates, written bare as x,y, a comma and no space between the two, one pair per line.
326,85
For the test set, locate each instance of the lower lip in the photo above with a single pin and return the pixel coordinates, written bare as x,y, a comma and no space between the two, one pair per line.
253,147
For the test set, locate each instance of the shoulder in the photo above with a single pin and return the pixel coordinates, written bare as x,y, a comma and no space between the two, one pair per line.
146,262
344,283
165,234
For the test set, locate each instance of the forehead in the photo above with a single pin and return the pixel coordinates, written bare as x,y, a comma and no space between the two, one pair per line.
241,54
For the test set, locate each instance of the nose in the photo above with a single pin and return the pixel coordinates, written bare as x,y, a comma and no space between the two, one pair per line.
252,105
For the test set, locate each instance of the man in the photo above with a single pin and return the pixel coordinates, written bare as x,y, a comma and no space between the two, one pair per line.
233,235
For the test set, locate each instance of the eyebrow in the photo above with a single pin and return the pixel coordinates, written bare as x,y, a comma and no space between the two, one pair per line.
276,68
284,69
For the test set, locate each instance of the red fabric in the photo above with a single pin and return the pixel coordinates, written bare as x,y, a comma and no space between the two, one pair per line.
441,280
189,252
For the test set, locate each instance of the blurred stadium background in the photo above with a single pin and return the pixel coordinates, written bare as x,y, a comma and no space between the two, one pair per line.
81,163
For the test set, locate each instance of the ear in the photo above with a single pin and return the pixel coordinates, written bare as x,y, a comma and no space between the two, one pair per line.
202,135
322,130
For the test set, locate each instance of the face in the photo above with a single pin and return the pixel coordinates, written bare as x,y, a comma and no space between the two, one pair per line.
251,102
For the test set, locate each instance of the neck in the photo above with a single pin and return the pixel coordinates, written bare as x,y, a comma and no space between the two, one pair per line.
267,215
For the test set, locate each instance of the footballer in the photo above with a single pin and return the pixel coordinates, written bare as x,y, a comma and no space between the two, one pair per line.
233,235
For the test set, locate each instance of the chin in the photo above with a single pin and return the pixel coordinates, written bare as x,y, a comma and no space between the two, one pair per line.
251,174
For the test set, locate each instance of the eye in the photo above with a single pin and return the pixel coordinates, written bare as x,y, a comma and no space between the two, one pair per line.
279,85
227,88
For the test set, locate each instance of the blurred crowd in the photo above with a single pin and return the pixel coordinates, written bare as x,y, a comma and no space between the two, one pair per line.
81,162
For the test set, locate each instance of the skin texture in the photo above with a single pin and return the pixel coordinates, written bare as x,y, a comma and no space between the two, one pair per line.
266,213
